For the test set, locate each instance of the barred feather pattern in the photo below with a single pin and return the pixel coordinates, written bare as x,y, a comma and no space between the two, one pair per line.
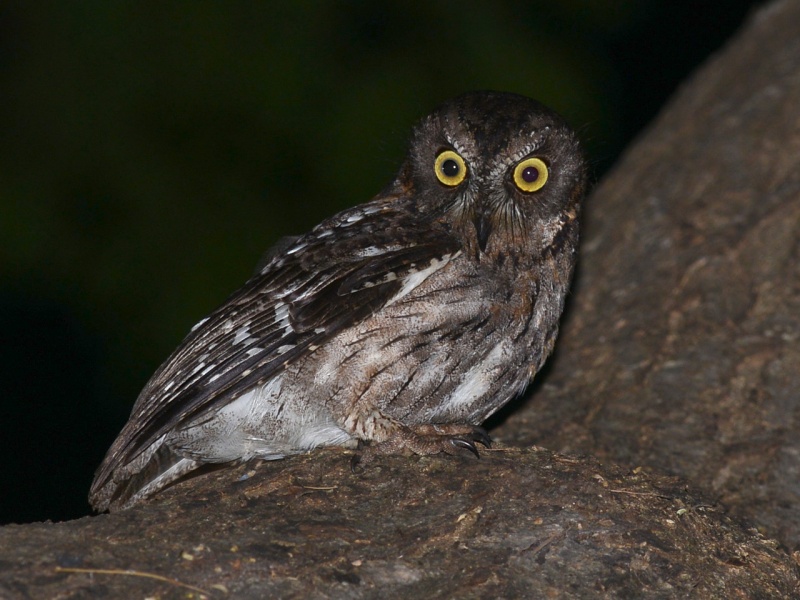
404,322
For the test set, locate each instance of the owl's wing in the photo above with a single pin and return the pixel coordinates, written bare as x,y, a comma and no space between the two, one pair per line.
316,285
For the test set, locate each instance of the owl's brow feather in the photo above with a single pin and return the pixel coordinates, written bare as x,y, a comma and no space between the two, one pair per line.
504,162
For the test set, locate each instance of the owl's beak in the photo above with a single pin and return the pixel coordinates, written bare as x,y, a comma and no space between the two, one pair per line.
483,228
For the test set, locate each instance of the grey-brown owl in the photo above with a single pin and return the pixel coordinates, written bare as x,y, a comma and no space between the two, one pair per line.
403,322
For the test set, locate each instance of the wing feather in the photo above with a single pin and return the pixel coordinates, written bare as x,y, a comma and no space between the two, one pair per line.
313,287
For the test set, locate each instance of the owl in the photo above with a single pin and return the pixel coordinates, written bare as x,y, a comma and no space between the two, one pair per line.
397,326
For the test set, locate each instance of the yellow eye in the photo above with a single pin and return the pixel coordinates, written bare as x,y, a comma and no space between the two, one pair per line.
450,168
530,175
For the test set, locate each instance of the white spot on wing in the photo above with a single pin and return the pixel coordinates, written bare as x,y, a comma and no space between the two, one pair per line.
371,251
414,279
371,210
200,323
296,249
208,369
282,314
197,368
242,334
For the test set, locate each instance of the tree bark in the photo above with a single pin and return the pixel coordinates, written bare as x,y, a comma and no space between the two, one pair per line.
679,361
681,352
517,523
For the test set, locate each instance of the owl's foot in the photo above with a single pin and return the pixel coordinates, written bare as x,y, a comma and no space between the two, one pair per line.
424,439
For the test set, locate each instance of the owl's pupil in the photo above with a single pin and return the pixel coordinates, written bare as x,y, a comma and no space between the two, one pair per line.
530,174
450,168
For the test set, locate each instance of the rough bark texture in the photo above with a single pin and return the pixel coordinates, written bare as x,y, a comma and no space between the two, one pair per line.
682,350
681,354
518,523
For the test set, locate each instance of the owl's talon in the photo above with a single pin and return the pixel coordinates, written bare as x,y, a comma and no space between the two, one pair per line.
355,463
480,435
468,440
466,444
426,439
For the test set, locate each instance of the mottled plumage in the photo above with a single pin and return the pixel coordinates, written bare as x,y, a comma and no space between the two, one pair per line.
403,322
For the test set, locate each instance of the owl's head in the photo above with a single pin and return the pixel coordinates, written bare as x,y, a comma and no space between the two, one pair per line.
500,168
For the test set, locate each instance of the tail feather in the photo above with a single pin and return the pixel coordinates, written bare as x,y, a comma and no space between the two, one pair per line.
138,481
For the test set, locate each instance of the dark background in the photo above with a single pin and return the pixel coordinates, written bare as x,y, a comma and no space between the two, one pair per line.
150,153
